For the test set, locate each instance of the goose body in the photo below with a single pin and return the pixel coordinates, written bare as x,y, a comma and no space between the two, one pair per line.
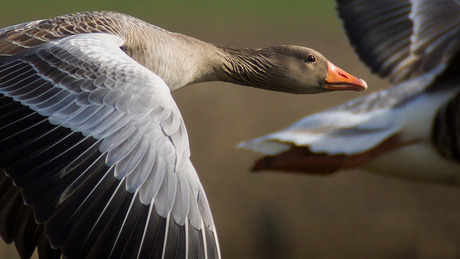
94,154
410,130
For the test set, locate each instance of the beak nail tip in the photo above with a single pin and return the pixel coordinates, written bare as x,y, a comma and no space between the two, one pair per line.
363,83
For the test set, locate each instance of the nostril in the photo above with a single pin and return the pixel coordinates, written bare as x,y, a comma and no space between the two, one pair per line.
343,75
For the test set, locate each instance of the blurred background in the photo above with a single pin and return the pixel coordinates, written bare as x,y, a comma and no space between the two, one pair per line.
351,214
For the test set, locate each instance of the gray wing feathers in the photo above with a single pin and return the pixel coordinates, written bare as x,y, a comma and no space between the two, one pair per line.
89,85
379,30
114,159
402,39
436,24
436,31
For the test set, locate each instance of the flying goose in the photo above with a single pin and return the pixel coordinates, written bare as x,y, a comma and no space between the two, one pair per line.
94,154
410,130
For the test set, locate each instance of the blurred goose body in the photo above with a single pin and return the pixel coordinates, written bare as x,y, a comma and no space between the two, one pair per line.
412,129
94,154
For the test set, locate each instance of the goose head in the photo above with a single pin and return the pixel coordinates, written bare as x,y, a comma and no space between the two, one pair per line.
291,69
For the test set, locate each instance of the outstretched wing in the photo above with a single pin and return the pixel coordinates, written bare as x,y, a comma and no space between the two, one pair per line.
98,150
402,39
414,43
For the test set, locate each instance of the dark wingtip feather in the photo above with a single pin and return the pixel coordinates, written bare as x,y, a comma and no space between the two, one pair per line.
195,243
45,250
211,245
17,223
173,247
10,203
27,232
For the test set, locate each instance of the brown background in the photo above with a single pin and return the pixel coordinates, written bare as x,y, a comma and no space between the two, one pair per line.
348,215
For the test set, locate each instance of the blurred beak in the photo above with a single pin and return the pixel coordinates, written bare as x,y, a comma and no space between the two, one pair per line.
337,79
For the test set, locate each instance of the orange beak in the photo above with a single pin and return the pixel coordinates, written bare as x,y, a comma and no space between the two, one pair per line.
337,79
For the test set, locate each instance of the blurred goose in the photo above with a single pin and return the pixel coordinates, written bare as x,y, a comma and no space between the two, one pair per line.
94,153
411,130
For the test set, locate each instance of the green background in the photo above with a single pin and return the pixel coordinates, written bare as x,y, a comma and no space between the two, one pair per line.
351,214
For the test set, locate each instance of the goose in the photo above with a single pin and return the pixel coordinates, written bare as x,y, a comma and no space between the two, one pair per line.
94,154
410,130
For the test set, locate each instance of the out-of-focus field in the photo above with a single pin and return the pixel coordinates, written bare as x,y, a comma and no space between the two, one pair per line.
271,215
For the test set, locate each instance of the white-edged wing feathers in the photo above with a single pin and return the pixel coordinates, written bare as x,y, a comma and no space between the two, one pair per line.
101,144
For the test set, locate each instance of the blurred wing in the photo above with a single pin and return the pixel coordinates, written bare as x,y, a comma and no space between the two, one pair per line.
98,149
327,141
334,131
351,134
353,127
412,43
402,39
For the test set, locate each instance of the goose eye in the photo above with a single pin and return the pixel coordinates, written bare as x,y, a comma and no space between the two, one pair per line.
310,58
